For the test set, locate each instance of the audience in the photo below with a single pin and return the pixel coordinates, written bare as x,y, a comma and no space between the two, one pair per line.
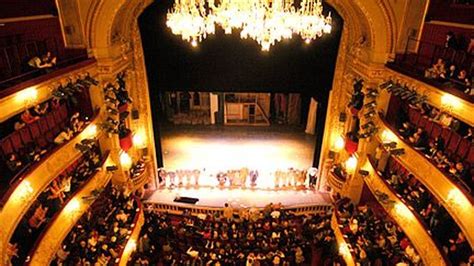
43,62
373,237
101,234
435,217
50,201
272,236
435,147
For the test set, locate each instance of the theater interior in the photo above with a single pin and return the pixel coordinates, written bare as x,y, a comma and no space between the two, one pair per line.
236,132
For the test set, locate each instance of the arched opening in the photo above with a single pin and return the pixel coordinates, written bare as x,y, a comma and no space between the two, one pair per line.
230,67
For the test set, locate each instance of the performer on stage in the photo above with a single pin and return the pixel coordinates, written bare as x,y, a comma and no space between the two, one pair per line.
253,177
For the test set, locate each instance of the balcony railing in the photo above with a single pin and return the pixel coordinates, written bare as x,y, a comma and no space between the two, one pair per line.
430,250
14,60
20,197
414,65
448,192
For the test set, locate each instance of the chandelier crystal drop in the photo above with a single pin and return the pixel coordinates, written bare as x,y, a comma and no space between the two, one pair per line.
265,21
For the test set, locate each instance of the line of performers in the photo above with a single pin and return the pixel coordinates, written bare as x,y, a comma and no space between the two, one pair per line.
236,178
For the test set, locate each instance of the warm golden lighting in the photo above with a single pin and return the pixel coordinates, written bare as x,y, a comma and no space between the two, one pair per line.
388,136
457,198
339,143
351,164
403,211
24,190
266,22
140,139
73,206
450,102
344,250
90,131
125,160
27,96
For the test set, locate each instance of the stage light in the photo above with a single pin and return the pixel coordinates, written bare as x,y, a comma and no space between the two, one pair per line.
307,41
339,143
194,43
125,160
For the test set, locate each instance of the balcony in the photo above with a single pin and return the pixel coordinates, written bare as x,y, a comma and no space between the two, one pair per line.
414,65
14,57
430,252
447,191
20,196
50,241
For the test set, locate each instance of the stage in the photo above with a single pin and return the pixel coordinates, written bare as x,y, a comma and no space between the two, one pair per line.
240,198
215,148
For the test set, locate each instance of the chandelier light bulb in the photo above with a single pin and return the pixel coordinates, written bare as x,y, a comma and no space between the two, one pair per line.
266,22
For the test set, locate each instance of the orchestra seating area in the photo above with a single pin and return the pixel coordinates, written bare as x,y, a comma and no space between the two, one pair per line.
271,236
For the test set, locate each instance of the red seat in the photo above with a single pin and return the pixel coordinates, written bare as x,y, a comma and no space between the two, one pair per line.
16,141
413,115
7,146
25,135
42,142
453,143
63,114
446,134
43,125
422,122
436,131
470,156
35,130
463,148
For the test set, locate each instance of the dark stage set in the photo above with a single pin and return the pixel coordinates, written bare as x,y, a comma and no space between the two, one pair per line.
226,63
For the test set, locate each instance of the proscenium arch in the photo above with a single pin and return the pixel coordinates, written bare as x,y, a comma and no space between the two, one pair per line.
368,26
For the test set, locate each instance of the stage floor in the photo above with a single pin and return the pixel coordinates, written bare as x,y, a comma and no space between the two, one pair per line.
221,148
240,198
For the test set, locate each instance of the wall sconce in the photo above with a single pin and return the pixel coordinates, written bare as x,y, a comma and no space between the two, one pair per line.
27,96
140,139
72,207
351,164
402,211
388,136
90,132
450,102
344,250
24,190
457,199
339,144
125,160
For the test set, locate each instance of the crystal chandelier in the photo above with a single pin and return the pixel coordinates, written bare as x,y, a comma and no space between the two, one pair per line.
265,21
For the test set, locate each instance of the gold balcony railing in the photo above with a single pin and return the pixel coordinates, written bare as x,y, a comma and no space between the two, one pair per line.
36,181
131,244
457,203
60,225
429,251
344,250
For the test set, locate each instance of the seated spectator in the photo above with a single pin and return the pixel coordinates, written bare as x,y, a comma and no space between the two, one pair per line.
435,145
76,124
46,61
13,163
451,73
406,130
41,109
19,125
64,136
27,117
451,41
469,135
437,71
419,139
34,153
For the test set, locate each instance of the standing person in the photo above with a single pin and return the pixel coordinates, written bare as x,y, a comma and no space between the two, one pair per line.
228,212
244,173
451,41
253,177
312,177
